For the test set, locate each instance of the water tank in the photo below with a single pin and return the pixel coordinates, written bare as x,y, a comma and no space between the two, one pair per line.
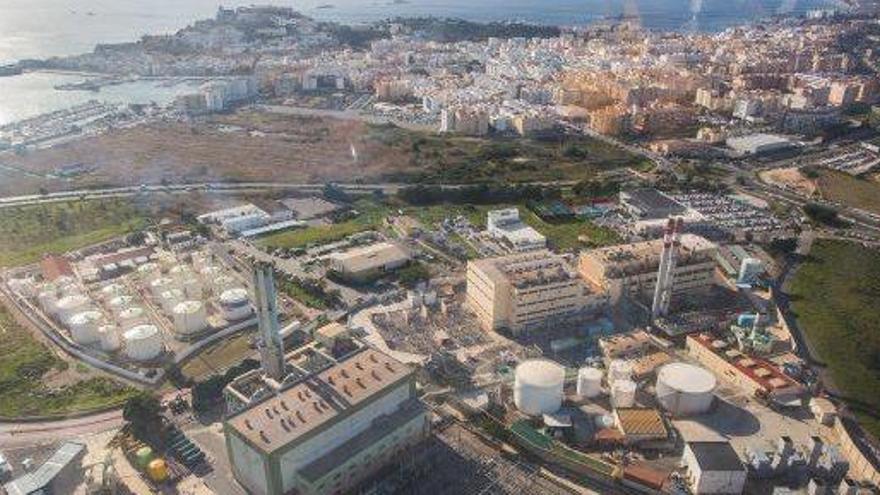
111,291
68,306
160,285
235,304
149,272
119,303
589,382
619,369
170,298
684,389
537,387
143,342
603,421
84,327
190,317
131,317
623,393
108,336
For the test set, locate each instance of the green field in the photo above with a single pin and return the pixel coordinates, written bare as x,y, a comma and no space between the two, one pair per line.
562,235
449,158
835,295
28,232
370,216
23,364
218,357
851,191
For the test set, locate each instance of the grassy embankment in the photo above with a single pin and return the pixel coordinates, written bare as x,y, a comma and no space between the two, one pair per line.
24,364
369,216
851,191
442,158
834,295
563,235
28,232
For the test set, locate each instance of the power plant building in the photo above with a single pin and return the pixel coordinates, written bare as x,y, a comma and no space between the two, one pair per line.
369,262
326,431
506,225
528,291
632,269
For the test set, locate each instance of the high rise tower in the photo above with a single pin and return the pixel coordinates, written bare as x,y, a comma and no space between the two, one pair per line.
271,346
666,271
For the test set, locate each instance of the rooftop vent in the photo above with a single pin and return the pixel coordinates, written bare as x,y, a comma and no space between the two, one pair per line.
268,413
346,390
263,436
389,367
248,424
284,405
360,382
376,376
373,358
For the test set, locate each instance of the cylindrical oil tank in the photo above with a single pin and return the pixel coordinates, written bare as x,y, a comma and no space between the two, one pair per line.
149,272
108,335
603,421
170,298
143,342
537,387
623,393
68,306
161,284
235,304
684,389
48,300
619,369
113,290
190,317
589,382
157,470
131,317
84,327
118,303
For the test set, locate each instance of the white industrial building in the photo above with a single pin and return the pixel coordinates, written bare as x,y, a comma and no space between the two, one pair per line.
754,144
365,263
506,225
713,468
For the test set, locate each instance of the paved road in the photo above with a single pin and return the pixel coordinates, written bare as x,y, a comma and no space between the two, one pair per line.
25,434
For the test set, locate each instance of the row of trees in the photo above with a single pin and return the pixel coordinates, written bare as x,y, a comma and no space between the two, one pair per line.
479,194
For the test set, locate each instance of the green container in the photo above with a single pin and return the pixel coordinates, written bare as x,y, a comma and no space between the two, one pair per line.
143,456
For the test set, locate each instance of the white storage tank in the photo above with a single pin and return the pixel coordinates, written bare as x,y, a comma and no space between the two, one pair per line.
235,304
84,327
119,303
190,317
619,369
108,336
537,387
131,317
623,393
170,298
684,389
143,342
111,291
160,285
149,272
589,382
70,305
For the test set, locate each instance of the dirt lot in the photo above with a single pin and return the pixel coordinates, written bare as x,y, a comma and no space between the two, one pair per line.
253,145
849,190
792,177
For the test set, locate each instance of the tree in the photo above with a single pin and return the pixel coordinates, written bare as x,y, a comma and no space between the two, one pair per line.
143,412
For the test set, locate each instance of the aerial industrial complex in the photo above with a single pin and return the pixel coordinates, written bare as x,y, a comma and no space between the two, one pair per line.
560,261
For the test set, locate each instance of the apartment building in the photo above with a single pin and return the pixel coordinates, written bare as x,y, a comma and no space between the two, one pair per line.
631,269
528,291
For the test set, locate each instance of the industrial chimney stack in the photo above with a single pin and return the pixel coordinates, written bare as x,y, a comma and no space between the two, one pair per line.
271,345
